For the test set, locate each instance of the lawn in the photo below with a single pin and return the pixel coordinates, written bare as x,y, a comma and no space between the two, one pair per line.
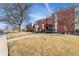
17,34
46,45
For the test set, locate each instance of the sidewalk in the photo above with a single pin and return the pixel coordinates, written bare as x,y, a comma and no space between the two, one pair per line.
3,45
20,38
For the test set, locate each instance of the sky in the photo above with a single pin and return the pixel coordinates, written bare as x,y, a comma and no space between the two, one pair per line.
41,10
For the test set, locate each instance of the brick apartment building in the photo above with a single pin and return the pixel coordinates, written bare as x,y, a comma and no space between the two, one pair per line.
61,21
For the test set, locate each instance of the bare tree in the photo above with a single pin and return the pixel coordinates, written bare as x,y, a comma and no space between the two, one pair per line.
16,13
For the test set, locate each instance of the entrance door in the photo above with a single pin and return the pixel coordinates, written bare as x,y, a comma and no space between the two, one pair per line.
49,28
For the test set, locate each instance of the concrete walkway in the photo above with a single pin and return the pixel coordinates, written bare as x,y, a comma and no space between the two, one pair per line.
20,38
32,35
3,45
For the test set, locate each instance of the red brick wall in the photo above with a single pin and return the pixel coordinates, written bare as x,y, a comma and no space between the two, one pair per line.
40,24
67,16
50,21
34,27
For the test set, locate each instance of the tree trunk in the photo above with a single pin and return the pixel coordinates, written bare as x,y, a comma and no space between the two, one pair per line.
20,23
19,29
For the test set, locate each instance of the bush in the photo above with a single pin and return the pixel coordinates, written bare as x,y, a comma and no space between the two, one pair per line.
77,31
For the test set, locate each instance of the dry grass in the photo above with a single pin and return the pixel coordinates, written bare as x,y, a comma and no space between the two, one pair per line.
17,34
48,45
